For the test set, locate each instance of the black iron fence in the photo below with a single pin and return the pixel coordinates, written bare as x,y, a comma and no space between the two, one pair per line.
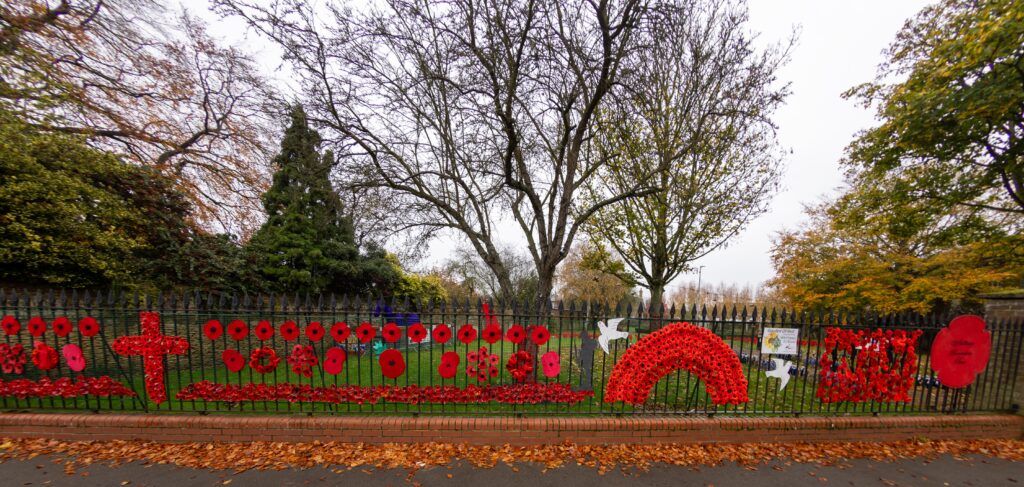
567,373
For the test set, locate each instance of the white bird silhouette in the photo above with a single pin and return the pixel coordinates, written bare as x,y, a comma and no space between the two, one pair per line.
610,332
781,371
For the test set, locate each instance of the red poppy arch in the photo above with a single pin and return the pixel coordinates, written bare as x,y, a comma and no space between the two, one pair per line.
678,346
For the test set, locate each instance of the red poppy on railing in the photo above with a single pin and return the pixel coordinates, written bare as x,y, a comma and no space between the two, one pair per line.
315,331
88,327
392,365
365,332
264,330
238,329
234,360
516,334
492,333
61,326
467,334
552,393
340,331
441,333
73,357
289,330
12,358
44,356
334,361
391,333
103,386
10,325
264,360
551,364
213,329
449,365
520,365
539,334
303,360
36,326
417,332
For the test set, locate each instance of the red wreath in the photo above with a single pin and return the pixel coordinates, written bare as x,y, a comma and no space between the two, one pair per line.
365,332
865,365
36,326
12,358
417,332
467,334
441,333
391,333
520,365
303,360
10,325
340,331
213,329
516,334
315,331
289,330
61,326
88,326
264,360
234,360
238,329
264,330
678,346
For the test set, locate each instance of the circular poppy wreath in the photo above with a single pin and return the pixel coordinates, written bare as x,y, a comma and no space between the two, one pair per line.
315,331
10,325
340,331
441,333
417,332
61,326
256,360
264,330
88,326
213,329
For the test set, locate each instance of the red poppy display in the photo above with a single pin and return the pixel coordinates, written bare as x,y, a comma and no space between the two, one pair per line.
678,346
539,334
264,330
44,356
12,358
152,345
238,329
467,334
865,365
417,332
392,365
492,333
441,333
88,327
520,365
334,360
449,365
550,364
289,331
365,332
10,325
412,394
36,326
303,360
234,360
264,360
391,333
482,364
61,326
73,357
213,329
340,331
103,386
961,351
515,334
315,331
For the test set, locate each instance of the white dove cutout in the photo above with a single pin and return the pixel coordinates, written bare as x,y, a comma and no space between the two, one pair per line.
781,371
609,332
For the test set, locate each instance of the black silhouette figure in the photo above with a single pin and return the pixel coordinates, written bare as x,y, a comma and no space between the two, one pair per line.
585,359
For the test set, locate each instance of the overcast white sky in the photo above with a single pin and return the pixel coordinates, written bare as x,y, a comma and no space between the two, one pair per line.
840,45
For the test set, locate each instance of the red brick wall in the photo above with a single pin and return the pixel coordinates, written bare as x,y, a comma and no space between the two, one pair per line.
500,430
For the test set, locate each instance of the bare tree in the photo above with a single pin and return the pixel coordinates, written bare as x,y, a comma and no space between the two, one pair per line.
468,111
699,104
149,85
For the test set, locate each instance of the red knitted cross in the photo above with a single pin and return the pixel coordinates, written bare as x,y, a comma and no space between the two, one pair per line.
152,346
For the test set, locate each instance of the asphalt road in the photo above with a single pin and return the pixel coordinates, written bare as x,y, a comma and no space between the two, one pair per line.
943,471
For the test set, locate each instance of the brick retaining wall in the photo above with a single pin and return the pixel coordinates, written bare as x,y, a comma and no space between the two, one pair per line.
500,430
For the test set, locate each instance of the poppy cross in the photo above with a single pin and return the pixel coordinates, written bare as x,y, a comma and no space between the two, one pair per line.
152,346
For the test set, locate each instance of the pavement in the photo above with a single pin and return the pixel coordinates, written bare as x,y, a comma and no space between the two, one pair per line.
942,471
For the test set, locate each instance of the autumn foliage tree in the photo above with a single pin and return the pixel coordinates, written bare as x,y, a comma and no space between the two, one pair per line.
592,275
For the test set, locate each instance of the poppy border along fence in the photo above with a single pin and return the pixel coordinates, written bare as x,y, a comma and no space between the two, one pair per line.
107,351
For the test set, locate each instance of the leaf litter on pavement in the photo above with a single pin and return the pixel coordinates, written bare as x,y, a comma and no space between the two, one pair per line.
347,456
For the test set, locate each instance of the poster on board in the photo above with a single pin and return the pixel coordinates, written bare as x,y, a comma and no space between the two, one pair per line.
782,341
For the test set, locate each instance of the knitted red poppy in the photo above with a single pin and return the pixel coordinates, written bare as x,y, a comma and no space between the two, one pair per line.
520,365
334,360
61,326
10,325
365,332
441,333
315,331
303,360
467,334
340,331
213,329
264,330
539,335
516,334
391,333
44,356
36,326
449,365
492,333
417,332
392,365
234,360
88,326
289,330
238,329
